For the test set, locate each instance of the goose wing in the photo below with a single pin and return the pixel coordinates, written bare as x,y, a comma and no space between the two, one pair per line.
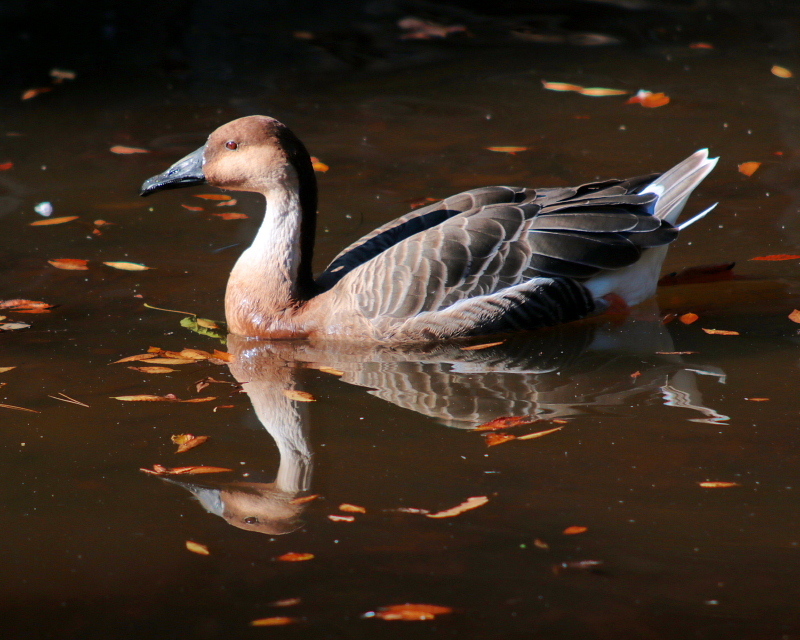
505,266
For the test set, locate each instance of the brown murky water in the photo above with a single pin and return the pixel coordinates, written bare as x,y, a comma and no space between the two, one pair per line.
93,548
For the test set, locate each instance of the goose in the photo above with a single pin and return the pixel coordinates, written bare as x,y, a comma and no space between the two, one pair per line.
489,260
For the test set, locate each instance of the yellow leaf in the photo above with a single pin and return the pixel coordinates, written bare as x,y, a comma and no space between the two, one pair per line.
749,168
467,505
331,370
718,485
153,369
485,345
299,396
142,398
49,221
275,621
539,434
721,332
196,547
511,150
352,508
122,150
141,356
598,92
335,518
318,165
171,361
4,369
781,72
127,266
561,86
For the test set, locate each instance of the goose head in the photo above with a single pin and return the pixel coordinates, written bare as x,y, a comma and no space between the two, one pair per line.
254,153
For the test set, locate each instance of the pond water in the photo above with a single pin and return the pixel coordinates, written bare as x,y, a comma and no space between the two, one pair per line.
597,529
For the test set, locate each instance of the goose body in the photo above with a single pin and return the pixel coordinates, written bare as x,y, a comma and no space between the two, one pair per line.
489,260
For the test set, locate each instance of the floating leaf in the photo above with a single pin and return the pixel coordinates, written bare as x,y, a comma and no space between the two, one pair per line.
777,257
231,216
153,369
204,327
574,530
70,264
5,166
721,332
596,92
227,203
127,266
212,196
167,398
718,485
351,508
336,518
191,443
304,499
689,318
781,72
13,326
794,316
11,406
141,356
19,304
299,396
505,422
539,434
701,45
275,621
295,557
4,369
408,612
61,220
749,168
649,99
540,544
485,345
191,208
511,150
758,399
223,355
467,505
318,165
62,74
331,370
32,93
196,547
172,361
493,439
160,470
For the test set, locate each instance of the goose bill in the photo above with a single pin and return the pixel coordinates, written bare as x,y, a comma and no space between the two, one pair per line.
184,173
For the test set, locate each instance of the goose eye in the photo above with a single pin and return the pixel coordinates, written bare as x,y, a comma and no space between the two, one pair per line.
230,144
250,519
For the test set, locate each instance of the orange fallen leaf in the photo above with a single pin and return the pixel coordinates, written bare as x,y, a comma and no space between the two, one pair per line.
231,216
11,406
649,99
196,547
318,165
69,264
275,621
286,602
721,332
335,518
539,434
505,422
194,354
749,168
485,345
5,166
758,399
190,444
331,370
493,439
227,203
18,304
127,266
4,369
32,93
511,150
141,356
160,470
408,611
574,530
689,318
13,326
586,91
295,557
794,316
304,499
122,150
299,396
781,72
191,208
778,256
167,398
212,196
467,505
701,45
352,508
49,221
718,485
220,355
153,369
540,544
171,361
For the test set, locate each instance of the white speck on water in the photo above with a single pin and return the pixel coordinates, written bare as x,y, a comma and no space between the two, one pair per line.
44,209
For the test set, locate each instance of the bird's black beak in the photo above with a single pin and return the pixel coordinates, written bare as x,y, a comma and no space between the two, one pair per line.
184,173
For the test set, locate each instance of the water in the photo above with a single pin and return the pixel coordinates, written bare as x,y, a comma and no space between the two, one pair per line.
94,548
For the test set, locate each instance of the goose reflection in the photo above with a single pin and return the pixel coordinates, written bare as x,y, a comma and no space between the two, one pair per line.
565,371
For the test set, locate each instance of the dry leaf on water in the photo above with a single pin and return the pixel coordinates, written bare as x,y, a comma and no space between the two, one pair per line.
123,150
777,257
493,439
196,547
505,422
11,406
539,434
718,485
749,168
167,398
153,369
408,611
5,166
336,518
32,93
275,621
318,165
212,196
352,508
70,264
574,530
485,345
160,470
781,72
295,557
191,208
721,332
231,216
299,396
13,326
758,399
304,499
467,505
227,203
511,150
689,318
649,99
127,266
794,316
51,221
19,304
188,441
331,370
4,369
596,92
